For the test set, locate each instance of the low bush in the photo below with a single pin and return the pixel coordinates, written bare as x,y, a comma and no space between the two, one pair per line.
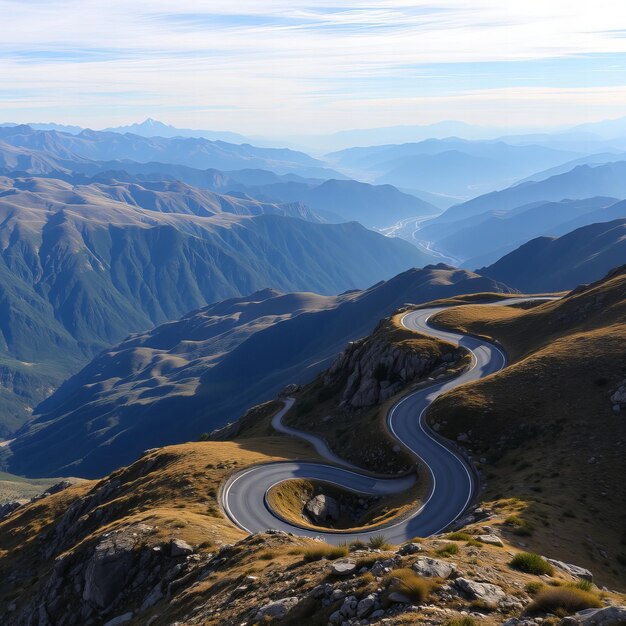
409,584
531,564
379,542
324,551
462,621
458,536
448,550
533,587
563,601
358,545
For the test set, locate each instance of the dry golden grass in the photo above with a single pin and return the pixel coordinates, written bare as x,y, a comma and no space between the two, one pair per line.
409,584
563,601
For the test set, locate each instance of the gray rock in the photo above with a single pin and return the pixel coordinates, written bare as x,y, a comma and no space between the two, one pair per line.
398,598
491,539
433,568
9,507
120,619
277,609
486,592
348,608
343,567
366,606
108,568
322,508
574,570
409,548
178,547
607,616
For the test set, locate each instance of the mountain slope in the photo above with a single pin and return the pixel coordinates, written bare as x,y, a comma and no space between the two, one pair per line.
82,266
549,429
549,264
209,367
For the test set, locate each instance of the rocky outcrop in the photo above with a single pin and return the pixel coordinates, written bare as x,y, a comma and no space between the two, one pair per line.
379,366
618,398
574,570
608,616
434,568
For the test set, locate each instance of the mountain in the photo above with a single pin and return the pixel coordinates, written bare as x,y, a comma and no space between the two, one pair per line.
581,182
372,205
493,234
193,152
81,266
154,128
209,367
556,264
593,160
63,128
451,166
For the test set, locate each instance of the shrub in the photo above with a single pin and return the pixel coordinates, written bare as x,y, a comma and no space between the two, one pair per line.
461,621
358,545
408,583
585,585
379,542
324,551
448,550
533,587
520,526
563,601
531,564
458,536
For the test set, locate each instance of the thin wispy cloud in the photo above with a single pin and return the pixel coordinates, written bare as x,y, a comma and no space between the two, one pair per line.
283,65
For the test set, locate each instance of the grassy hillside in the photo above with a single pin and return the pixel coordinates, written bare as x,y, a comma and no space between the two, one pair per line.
545,428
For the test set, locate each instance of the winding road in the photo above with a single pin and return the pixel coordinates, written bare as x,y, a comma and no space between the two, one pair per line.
453,484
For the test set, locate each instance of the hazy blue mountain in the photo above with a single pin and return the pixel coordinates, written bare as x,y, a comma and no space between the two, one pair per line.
334,200
555,264
81,266
194,152
581,182
497,232
186,377
592,159
372,205
154,128
449,166
63,128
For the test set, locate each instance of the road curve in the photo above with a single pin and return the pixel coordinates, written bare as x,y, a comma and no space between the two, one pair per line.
244,494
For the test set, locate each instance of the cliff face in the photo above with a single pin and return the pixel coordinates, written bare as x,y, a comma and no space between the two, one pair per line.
379,366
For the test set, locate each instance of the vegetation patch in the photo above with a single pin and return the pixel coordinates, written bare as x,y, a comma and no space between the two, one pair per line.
563,601
531,564
406,582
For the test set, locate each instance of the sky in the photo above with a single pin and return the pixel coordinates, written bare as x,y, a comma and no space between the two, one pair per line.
292,66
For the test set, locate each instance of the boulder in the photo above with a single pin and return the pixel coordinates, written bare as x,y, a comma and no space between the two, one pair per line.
398,598
178,547
108,569
366,606
343,567
322,508
409,548
276,610
574,570
486,592
491,539
607,616
120,619
433,568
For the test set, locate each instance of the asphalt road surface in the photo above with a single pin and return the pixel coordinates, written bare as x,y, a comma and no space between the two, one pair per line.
453,484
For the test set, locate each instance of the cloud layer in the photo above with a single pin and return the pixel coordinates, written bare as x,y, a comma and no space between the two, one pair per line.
293,66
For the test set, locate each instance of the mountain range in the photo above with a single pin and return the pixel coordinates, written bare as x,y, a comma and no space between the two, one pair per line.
208,367
81,266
